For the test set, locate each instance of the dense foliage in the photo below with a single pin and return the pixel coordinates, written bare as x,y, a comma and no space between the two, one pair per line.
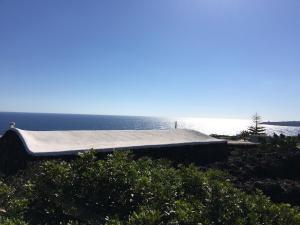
272,166
279,142
120,190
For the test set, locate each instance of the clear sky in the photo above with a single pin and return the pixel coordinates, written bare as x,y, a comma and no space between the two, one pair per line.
198,58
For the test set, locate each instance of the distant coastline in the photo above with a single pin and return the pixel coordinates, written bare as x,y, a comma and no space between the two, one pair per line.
284,123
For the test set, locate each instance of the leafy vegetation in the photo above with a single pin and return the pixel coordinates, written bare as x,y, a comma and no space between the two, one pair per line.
122,190
272,166
279,142
12,208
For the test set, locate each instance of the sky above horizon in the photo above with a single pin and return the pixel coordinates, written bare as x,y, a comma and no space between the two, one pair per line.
192,58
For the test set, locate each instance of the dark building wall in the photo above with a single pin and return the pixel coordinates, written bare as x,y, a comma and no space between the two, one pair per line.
198,154
13,155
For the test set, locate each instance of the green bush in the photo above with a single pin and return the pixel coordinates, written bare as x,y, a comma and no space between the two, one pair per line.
11,207
120,190
278,142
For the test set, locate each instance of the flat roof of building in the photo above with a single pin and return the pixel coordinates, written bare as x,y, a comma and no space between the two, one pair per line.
71,142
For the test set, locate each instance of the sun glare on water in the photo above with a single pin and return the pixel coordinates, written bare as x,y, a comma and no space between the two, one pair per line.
215,126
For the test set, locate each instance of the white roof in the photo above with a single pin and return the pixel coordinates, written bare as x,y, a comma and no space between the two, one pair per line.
70,142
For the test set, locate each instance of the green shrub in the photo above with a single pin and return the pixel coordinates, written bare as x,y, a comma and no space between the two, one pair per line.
120,190
279,142
11,207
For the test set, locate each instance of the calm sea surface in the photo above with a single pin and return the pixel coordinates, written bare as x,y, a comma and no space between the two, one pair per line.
45,121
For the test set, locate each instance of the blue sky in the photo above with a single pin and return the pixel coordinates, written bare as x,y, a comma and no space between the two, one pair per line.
198,58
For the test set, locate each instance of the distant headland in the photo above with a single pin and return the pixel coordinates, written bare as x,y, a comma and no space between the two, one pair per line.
283,123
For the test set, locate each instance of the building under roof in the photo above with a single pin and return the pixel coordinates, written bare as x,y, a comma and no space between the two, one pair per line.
18,145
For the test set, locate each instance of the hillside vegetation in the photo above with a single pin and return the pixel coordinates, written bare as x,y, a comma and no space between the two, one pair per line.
273,167
122,190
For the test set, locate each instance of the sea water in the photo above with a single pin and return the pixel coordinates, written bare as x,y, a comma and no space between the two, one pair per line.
50,121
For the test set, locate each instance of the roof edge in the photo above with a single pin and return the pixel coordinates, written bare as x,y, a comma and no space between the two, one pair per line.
18,133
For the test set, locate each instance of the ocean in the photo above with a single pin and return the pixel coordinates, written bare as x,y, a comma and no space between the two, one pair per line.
50,121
